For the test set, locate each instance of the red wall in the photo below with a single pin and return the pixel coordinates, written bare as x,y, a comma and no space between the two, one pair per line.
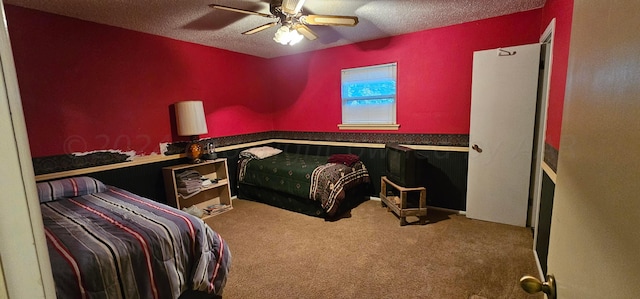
562,11
434,75
86,86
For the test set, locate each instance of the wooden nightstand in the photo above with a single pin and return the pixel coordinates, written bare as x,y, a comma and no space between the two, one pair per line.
215,197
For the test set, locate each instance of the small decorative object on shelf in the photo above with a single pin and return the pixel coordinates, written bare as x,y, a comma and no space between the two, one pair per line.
210,152
201,188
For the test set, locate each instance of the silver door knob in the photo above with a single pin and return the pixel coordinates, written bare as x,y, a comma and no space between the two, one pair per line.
533,285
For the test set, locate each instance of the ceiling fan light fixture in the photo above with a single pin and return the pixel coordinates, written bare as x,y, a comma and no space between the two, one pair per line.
287,35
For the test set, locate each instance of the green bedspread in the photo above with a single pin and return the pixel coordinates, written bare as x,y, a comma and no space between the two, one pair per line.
304,176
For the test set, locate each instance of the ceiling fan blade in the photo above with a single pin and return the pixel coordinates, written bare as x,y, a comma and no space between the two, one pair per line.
244,11
305,31
292,7
260,28
329,20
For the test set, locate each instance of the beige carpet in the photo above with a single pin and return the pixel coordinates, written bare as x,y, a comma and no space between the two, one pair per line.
282,254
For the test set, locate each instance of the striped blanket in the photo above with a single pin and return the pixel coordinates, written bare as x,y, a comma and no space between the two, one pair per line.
329,182
115,244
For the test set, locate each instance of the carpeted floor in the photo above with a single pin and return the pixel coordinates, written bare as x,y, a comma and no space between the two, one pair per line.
282,254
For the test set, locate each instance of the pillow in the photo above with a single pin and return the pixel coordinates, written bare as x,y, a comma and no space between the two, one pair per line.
70,187
346,159
260,152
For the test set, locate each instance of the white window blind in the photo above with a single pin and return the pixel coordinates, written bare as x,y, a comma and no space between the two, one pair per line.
369,95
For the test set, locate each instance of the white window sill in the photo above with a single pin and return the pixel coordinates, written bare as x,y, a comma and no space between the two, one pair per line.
393,127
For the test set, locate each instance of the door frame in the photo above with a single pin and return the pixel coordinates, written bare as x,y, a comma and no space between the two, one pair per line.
539,168
26,268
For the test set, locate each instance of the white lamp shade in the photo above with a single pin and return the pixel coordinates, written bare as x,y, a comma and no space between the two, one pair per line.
190,118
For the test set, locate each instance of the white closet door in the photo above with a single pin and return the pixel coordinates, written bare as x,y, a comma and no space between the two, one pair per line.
503,106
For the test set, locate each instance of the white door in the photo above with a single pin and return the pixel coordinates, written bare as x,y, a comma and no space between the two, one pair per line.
503,106
594,249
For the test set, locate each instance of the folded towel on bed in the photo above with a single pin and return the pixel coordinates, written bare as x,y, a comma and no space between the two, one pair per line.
346,159
260,152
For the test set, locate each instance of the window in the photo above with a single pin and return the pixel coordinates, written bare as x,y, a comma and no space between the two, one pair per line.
369,97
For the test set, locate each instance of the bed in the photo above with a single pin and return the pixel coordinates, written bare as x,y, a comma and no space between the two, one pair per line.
105,242
321,186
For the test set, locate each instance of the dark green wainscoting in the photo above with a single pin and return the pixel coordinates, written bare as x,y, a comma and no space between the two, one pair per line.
145,180
544,220
446,180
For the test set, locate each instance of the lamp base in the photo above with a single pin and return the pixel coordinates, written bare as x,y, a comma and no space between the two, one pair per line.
194,152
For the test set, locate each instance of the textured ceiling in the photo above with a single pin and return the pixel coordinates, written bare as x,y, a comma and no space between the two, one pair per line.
195,22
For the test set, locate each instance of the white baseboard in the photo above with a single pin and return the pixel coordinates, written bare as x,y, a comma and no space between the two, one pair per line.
540,273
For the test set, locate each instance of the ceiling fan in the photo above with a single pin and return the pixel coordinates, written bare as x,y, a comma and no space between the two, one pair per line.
293,23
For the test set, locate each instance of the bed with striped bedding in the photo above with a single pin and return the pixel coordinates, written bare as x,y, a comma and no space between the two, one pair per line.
109,243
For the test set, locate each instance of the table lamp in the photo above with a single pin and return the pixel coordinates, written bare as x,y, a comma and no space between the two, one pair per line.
191,121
